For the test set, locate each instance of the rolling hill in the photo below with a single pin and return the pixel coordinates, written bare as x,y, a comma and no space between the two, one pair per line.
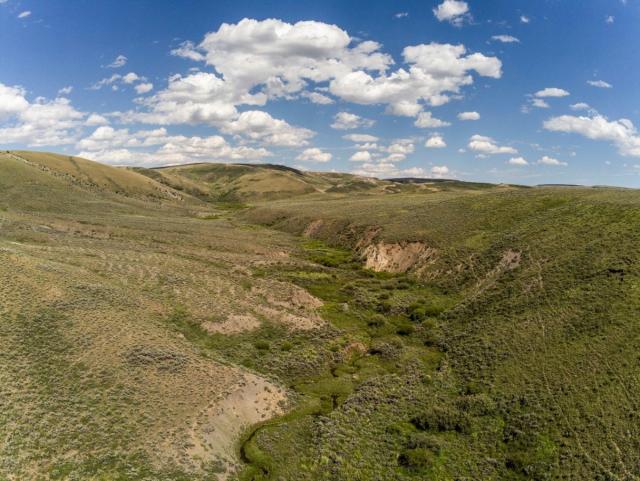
334,328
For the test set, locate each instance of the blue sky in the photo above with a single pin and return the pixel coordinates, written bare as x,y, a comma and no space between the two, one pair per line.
499,91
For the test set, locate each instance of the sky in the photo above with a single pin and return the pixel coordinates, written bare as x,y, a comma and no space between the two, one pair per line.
486,90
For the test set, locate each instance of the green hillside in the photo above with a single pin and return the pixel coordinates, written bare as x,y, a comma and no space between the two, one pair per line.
334,329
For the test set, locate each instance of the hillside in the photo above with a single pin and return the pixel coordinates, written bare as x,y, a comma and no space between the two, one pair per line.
334,329
255,182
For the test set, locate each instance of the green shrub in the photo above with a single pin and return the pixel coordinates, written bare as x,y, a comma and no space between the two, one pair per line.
418,458
262,345
443,419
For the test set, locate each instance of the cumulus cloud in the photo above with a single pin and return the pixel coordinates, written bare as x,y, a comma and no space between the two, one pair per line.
348,121
318,98
157,147
96,119
25,14
197,98
281,57
119,61
452,11
551,92
622,133
188,50
360,138
39,123
256,61
143,88
524,19
439,171
387,169
468,116
361,156
435,72
488,146
426,121
505,39
540,103
65,90
519,161
117,80
609,19
435,142
314,155
599,84
580,106
260,126
546,160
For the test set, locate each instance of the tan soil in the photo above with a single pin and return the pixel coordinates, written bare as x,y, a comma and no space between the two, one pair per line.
234,324
396,257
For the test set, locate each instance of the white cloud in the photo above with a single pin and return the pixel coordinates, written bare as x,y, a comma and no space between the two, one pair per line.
540,103
361,156
197,98
600,84
318,98
435,142
348,121
282,57
12,100
25,14
551,92
96,119
546,160
580,106
387,169
256,61
65,90
260,126
468,116
188,50
314,155
622,133
120,147
488,146
119,61
360,138
39,123
452,11
524,19
435,72
520,161
401,15
117,79
609,19
143,88
401,147
130,78
505,39
426,121
439,171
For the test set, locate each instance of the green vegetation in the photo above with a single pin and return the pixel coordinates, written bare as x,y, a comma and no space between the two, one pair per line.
160,327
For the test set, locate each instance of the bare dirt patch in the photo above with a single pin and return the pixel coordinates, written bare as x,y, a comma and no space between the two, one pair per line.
234,324
396,257
217,428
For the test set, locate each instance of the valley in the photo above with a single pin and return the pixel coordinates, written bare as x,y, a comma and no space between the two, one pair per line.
256,322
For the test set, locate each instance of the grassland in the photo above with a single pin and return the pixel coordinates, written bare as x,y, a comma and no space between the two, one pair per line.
161,325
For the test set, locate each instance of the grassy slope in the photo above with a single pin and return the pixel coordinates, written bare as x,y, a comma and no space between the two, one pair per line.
244,182
550,347
467,371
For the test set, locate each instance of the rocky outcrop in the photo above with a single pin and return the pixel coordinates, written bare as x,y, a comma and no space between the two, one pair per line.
396,257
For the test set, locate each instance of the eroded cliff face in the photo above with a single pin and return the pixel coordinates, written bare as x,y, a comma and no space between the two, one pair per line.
397,257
